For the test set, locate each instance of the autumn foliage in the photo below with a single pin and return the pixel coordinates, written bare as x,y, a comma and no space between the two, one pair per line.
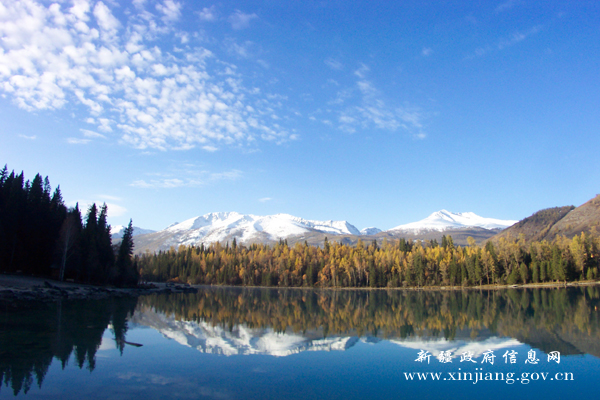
390,264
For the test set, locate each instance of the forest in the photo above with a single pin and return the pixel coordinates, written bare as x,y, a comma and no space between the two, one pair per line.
41,236
398,263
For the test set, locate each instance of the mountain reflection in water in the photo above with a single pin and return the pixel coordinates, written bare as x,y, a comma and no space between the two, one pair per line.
233,321
253,321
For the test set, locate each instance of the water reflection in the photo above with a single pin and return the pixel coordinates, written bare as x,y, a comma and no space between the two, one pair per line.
234,321
32,334
280,322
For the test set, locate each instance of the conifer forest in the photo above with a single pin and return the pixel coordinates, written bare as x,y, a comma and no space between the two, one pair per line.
40,235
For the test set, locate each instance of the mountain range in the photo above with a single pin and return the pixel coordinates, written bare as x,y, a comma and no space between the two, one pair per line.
246,228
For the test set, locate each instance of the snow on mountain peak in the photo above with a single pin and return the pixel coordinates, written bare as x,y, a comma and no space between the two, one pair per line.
443,220
116,232
247,228
370,231
220,226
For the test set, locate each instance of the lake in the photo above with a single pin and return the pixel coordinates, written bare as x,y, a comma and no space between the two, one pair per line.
250,343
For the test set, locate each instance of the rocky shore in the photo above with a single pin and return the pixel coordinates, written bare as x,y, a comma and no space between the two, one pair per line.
18,288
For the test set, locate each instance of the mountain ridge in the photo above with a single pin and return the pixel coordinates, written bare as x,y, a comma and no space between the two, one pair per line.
549,223
116,232
444,220
248,228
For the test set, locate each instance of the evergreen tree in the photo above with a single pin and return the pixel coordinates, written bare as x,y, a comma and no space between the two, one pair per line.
106,256
127,274
91,262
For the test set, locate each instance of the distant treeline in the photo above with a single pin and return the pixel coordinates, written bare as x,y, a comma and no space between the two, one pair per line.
40,236
399,263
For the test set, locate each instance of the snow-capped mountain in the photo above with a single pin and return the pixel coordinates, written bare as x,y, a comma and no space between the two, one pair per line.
116,232
215,226
246,229
370,231
445,220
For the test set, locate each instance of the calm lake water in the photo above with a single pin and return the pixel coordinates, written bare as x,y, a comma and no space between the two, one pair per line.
229,343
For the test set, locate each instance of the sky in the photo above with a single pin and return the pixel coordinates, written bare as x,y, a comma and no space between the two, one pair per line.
374,112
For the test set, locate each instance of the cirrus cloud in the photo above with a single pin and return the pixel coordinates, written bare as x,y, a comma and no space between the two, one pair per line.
185,176
363,106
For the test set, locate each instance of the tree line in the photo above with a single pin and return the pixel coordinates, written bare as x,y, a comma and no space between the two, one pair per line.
40,236
398,263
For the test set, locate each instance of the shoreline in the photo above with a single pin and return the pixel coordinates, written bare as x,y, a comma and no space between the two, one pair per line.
545,285
22,288
15,288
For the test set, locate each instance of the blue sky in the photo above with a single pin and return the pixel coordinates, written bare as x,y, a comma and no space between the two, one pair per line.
378,113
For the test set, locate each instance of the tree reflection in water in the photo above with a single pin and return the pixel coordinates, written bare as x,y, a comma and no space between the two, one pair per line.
549,319
565,319
32,334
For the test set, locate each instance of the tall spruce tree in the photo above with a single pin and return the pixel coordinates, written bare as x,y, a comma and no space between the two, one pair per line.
127,275
106,256
68,244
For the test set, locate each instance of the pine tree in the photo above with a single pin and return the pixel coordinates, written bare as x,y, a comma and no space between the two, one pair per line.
91,264
106,256
126,273
68,242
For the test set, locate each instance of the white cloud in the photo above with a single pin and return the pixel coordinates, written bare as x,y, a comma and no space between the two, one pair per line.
242,50
163,183
334,64
506,42
208,14
185,176
427,51
106,21
77,53
265,199
239,20
92,134
28,137
73,140
517,37
507,5
263,63
364,107
229,175
210,148
113,210
345,119
361,72
170,9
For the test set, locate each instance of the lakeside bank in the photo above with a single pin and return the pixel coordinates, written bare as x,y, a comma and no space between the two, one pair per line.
14,288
